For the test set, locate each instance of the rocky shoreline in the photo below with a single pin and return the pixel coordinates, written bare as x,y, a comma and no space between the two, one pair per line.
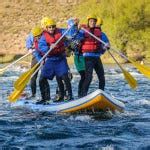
8,58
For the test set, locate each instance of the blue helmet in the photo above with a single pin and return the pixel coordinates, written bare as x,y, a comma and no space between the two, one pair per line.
70,22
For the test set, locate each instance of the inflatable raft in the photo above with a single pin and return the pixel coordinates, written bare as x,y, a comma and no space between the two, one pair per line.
94,102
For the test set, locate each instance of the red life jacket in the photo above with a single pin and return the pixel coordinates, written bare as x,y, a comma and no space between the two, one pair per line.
52,39
36,42
89,43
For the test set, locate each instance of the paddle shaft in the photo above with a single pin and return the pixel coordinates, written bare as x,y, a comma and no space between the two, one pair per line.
16,94
102,43
51,48
115,50
36,67
16,61
132,82
130,79
115,60
37,70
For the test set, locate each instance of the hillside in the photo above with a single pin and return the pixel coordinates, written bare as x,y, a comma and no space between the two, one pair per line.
126,23
19,16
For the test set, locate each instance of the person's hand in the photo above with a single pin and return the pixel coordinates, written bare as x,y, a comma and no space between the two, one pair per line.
31,50
52,46
107,46
43,62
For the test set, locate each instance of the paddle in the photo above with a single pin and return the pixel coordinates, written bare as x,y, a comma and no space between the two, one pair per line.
17,92
22,81
26,80
132,82
145,70
25,77
15,95
130,79
2,70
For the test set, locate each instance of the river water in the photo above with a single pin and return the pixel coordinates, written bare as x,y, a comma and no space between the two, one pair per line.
22,128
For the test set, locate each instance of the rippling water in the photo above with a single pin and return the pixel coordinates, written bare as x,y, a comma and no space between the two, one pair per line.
22,128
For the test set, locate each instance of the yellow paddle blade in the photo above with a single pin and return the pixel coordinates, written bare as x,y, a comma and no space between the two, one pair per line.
23,83
15,95
145,70
130,79
24,78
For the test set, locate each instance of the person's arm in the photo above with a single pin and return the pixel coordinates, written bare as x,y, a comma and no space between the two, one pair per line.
105,39
30,42
42,48
106,46
43,45
37,55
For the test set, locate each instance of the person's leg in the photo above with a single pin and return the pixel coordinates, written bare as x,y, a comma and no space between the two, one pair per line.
61,70
68,86
82,75
47,72
65,89
33,79
45,89
60,88
100,73
88,75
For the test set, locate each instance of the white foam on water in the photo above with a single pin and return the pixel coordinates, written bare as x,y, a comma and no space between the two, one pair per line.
142,102
81,118
108,147
129,113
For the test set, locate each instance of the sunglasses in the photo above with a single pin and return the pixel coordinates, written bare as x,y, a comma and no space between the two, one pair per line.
53,26
37,37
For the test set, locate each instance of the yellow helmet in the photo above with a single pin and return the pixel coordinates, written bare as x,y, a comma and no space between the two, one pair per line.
99,22
51,22
92,16
43,21
46,21
36,31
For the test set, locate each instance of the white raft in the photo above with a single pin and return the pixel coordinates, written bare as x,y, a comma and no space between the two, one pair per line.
94,102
